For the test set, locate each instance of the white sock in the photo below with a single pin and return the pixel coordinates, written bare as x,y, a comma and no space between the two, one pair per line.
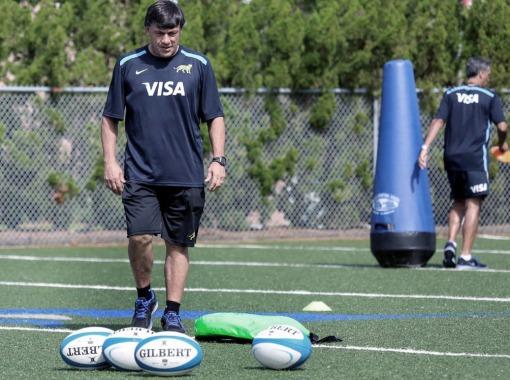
453,242
466,257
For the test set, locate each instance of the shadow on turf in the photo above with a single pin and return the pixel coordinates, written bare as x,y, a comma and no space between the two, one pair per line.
347,265
112,370
375,266
114,327
365,266
260,368
76,326
433,266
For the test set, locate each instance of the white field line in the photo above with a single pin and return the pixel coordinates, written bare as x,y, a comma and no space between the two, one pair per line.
53,317
493,237
492,251
348,348
413,351
284,247
324,249
16,328
486,270
221,263
65,259
324,266
263,291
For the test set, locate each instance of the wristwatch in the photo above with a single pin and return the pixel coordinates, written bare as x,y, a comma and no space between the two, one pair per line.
222,160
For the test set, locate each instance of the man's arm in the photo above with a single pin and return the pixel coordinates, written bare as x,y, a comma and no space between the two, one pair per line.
216,172
502,132
434,128
113,174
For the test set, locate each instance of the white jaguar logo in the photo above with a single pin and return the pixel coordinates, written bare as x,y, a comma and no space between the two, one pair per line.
184,68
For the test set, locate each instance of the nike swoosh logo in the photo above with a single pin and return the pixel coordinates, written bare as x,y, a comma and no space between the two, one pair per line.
137,72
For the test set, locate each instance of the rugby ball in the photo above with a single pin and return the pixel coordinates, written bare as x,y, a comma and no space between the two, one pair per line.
83,348
168,354
281,347
119,347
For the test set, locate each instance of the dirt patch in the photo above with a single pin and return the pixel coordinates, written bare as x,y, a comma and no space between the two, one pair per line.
57,238
11,238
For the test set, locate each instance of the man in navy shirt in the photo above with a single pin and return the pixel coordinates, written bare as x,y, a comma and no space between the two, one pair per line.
468,112
163,91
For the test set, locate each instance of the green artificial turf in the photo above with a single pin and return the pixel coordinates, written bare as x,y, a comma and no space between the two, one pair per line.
338,272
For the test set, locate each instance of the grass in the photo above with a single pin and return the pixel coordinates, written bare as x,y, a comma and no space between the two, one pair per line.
441,331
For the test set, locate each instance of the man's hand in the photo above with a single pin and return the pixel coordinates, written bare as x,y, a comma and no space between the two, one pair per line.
434,128
423,158
114,177
215,176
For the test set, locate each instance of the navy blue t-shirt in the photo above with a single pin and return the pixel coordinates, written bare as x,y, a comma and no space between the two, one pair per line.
468,112
164,100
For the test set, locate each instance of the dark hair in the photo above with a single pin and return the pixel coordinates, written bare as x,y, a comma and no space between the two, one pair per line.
475,65
165,14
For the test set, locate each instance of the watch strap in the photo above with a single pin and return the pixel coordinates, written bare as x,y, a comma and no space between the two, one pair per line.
222,160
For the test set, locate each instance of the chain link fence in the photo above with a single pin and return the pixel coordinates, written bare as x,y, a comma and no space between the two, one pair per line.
298,182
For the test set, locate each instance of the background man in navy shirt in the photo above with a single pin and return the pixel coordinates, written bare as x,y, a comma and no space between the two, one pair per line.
467,112
163,91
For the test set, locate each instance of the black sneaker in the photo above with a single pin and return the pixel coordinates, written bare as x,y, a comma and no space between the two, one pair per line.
144,308
171,321
474,263
449,255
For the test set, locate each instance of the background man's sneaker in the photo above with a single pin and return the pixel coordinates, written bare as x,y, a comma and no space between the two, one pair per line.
474,263
170,321
144,308
449,255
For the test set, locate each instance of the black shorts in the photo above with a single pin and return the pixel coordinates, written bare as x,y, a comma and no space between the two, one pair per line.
468,184
172,212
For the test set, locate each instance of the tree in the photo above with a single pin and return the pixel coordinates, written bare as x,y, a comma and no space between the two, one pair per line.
323,41
486,34
271,43
376,33
434,37
15,21
44,45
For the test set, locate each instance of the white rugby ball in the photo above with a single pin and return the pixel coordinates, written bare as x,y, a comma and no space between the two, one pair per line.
83,348
119,347
168,354
281,347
